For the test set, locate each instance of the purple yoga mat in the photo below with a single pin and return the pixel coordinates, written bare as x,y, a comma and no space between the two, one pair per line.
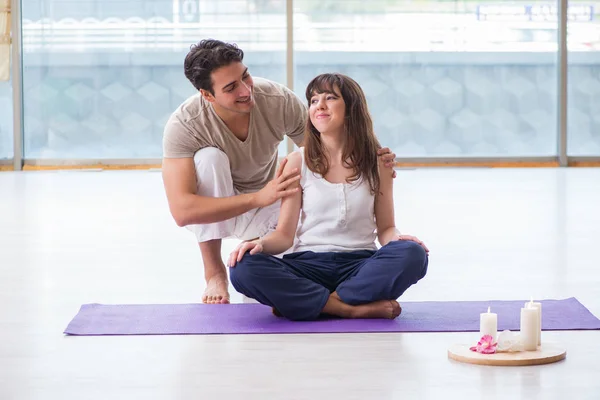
433,316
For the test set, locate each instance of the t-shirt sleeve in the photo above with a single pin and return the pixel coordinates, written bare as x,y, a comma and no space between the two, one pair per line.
296,114
178,141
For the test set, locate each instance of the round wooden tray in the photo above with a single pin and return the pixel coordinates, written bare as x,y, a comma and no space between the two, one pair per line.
545,354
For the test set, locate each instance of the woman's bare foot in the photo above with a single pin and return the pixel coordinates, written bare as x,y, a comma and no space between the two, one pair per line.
216,290
389,309
277,313
379,309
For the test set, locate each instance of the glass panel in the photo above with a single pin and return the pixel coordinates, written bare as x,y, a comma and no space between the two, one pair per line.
583,79
442,78
101,77
6,107
6,121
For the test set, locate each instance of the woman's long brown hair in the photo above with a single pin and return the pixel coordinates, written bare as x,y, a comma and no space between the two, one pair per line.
360,150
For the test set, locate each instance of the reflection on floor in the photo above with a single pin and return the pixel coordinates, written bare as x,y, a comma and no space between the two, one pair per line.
69,238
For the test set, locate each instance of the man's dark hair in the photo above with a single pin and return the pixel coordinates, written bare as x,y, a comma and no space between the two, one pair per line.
207,56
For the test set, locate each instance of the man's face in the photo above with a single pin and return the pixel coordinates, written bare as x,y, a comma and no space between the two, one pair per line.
233,87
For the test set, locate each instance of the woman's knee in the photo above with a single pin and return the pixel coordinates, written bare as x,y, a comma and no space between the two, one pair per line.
247,272
414,257
418,259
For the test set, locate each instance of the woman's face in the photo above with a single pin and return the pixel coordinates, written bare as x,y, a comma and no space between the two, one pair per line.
327,111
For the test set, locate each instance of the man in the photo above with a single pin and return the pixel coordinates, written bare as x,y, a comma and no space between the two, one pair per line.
220,155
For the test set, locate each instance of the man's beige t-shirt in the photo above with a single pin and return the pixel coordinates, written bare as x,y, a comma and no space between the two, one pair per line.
277,112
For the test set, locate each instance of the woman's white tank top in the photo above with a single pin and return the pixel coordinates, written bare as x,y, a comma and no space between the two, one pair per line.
335,216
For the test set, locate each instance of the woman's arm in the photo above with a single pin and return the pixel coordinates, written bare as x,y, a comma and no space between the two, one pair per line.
384,207
282,238
384,211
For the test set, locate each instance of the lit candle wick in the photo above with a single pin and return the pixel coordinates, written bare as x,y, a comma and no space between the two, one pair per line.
488,310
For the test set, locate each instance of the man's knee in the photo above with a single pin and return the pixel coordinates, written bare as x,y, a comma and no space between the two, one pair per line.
213,173
210,158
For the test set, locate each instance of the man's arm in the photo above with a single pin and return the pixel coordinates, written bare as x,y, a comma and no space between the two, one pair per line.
179,179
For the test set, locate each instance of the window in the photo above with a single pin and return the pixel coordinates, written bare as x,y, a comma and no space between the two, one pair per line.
6,121
442,78
6,113
101,77
583,113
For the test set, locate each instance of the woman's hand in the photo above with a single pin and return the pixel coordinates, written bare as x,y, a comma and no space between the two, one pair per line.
387,159
413,239
254,246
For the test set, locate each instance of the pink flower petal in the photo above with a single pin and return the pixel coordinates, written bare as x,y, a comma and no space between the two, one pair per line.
485,345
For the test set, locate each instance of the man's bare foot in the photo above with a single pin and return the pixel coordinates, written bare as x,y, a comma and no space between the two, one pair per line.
379,309
216,290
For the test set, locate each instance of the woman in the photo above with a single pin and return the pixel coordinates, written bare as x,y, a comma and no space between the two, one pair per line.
345,203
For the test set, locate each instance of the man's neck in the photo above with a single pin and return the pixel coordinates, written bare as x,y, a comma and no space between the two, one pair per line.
237,123
229,117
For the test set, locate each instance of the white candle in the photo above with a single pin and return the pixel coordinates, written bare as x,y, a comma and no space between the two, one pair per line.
488,324
529,328
538,306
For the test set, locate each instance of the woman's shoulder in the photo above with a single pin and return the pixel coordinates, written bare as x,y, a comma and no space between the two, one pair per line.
294,159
